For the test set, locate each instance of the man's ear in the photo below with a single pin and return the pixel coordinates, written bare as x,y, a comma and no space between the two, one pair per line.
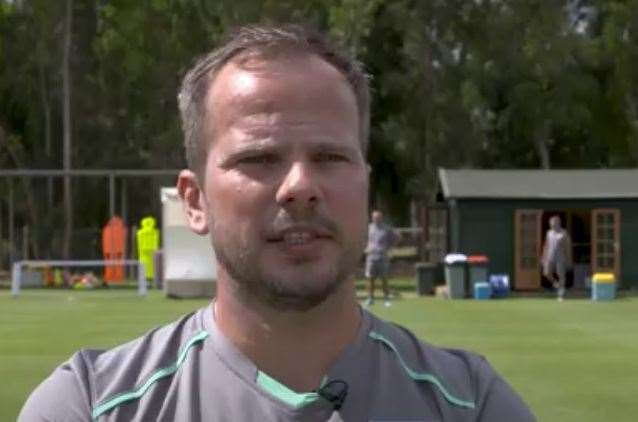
193,201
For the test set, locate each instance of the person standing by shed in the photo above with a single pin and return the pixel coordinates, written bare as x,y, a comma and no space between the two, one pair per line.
557,255
381,237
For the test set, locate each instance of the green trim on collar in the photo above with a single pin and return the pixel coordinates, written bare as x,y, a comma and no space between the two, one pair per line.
285,394
422,376
138,392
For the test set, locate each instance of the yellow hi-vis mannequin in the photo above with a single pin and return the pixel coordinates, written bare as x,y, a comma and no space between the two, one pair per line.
147,244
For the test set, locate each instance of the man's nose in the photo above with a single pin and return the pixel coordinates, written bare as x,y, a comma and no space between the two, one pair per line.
299,190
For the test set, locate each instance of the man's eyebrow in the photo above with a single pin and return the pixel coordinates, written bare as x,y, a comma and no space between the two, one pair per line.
246,149
252,147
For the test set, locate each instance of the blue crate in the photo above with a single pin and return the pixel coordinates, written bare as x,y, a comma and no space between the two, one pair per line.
603,291
482,290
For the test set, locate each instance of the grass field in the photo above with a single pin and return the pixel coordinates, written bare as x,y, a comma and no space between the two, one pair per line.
572,361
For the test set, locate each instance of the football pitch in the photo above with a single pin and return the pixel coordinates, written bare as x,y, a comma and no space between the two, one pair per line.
571,361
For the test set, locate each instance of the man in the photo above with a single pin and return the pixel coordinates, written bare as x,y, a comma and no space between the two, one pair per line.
381,238
276,125
557,255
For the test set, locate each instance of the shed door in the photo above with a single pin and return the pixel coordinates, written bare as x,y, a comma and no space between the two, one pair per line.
605,249
527,240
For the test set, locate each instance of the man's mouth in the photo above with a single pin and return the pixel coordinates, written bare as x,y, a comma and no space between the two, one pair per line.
295,236
298,237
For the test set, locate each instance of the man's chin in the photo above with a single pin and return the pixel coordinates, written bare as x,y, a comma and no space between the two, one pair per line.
285,286
299,292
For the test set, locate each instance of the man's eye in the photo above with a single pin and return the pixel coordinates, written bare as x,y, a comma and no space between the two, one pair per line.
259,159
331,157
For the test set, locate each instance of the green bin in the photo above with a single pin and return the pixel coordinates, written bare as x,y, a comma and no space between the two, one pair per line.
478,271
425,277
456,275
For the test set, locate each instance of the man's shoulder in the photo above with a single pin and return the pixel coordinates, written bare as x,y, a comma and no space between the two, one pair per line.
157,346
461,378
93,376
456,366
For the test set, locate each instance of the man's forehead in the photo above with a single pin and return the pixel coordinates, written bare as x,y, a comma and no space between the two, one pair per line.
259,59
286,83
241,75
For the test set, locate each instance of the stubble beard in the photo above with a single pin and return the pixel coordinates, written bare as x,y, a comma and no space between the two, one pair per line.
251,283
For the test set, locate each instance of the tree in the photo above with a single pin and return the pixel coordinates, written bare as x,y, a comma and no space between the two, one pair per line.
486,84
67,129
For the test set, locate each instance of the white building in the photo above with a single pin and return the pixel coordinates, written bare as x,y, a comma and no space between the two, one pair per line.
190,268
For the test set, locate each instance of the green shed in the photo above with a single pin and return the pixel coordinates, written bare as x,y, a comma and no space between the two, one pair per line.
504,214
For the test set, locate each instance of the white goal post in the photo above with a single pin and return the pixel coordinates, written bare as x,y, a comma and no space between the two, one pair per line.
16,275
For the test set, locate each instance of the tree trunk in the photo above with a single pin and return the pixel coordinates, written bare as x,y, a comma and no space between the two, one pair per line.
66,127
540,142
632,111
28,192
46,109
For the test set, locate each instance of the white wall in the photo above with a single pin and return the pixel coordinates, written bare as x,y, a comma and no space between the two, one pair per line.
187,256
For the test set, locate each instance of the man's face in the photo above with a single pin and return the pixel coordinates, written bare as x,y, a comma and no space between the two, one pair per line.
377,217
555,223
286,183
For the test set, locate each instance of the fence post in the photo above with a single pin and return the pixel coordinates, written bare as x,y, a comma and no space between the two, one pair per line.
131,252
11,228
16,275
141,279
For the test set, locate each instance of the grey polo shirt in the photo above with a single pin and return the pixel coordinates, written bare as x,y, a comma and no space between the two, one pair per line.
188,371
381,237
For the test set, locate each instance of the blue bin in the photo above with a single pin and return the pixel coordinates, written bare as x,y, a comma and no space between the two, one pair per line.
603,291
603,286
482,290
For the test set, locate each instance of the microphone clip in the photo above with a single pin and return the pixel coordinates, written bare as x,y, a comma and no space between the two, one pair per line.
335,392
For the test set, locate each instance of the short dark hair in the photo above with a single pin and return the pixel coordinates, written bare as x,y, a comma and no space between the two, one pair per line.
262,40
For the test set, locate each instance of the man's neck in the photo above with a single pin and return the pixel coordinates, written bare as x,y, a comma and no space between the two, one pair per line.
296,348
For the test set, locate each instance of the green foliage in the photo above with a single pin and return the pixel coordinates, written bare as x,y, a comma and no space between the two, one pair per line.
487,84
